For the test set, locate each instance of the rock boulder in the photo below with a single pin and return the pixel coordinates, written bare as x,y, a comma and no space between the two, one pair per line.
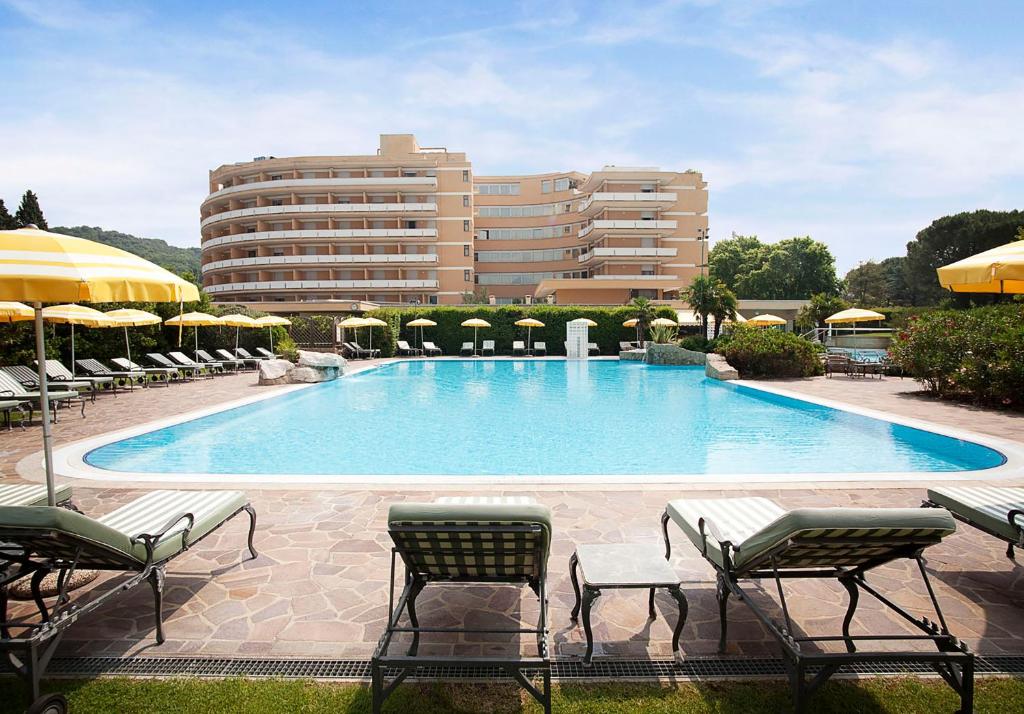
718,368
321,359
274,371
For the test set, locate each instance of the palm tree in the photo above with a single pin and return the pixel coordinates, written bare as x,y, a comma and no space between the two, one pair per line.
701,296
643,313
724,307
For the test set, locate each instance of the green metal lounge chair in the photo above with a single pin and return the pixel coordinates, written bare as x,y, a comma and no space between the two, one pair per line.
370,353
13,390
29,379
996,511
57,372
204,357
138,540
491,543
95,368
267,354
247,362
32,494
754,539
245,354
154,375
188,373
180,359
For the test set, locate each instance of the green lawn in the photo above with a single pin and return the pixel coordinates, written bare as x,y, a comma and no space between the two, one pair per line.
194,696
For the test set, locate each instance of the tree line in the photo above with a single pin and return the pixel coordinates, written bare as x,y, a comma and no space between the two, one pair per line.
28,213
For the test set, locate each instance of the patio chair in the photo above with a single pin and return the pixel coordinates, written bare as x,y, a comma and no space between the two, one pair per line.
753,539
137,540
487,348
627,346
251,362
33,494
540,349
267,354
8,407
474,543
57,372
837,364
155,375
518,348
593,349
369,353
405,350
996,511
205,357
13,390
120,378
467,349
188,373
431,350
181,359
29,379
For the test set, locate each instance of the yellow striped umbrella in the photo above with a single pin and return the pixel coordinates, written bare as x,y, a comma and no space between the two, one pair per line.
237,321
529,323
476,323
15,312
37,266
75,315
420,322
372,322
664,322
766,320
270,322
193,319
130,317
998,270
854,314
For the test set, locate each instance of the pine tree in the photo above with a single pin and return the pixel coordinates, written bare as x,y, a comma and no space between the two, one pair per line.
7,221
30,212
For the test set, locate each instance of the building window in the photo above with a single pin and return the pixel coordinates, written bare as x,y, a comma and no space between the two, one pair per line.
465,226
277,202
497,189
275,177
409,174
465,276
250,254
562,184
341,174
431,299
250,229
410,224
465,250
465,201
309,200
376,173
465,176
278,251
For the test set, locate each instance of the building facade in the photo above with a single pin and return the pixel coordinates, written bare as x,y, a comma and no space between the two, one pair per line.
413,225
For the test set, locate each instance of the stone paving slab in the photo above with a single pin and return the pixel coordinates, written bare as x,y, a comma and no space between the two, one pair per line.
319,586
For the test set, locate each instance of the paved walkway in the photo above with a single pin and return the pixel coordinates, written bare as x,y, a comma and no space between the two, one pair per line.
319,587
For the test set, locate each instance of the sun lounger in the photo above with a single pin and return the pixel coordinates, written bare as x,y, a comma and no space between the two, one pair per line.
32,494
540,349
467,349
187,373
29,379
405,350
996,511
487,348
204,357
8,407
430,349
57,372
155,375
593,349
94,368
369,353
251,362
180,359
518,348
478,544
836,364
13,390
244,354
267,354
627,346
137,540
753,539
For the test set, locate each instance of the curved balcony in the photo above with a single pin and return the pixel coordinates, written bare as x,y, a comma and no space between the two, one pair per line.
323,285
597,229
319,209
595,253
390,182
285,236
305,260
597,202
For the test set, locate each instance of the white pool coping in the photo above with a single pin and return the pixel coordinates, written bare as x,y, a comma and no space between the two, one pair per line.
69,460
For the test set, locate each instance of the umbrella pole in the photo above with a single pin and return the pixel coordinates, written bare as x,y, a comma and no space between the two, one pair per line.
474,342
72,349
44,406
197,342
270,329
237,328
127,347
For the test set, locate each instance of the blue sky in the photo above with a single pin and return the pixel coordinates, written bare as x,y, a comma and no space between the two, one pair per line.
854,122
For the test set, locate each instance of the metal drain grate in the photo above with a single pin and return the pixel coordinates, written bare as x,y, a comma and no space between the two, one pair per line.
564,669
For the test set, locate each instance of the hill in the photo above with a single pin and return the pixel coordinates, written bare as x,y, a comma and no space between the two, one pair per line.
178,260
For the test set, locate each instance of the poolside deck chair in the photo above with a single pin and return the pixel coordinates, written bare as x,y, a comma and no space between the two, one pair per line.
540,349
138,540
996,511
369,353
487,348
405,350
249,362
467,349
188,373
13,390
29,379
518,348
267,353
205,357
593,349
8,407
180,359
478,543
837,363
627,346
57,372
430,349
33,494
120,378
754,539
244,354
155,375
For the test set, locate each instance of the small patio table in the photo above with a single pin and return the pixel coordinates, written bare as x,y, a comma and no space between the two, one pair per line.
622,566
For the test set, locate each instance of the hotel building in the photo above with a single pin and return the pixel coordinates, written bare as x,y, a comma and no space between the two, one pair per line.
414,225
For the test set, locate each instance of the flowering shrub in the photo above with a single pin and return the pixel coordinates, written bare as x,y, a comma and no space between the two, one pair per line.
975,354
759,352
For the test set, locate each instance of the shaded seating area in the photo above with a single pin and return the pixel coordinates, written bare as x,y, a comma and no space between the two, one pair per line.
751,539
996,511
29,379
137,540
122,378
464,542
57,372
13,390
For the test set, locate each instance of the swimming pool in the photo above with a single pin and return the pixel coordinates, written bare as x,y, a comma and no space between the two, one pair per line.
535,418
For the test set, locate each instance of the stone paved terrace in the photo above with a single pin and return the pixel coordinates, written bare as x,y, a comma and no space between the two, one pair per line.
319,587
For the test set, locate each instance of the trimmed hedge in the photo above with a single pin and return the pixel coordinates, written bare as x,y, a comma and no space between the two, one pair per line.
449,333
975,354
760,352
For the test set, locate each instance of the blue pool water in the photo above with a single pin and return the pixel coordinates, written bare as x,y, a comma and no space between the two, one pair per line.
536,417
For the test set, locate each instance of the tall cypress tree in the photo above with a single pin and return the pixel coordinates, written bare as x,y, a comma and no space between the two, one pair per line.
30,212
7,221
